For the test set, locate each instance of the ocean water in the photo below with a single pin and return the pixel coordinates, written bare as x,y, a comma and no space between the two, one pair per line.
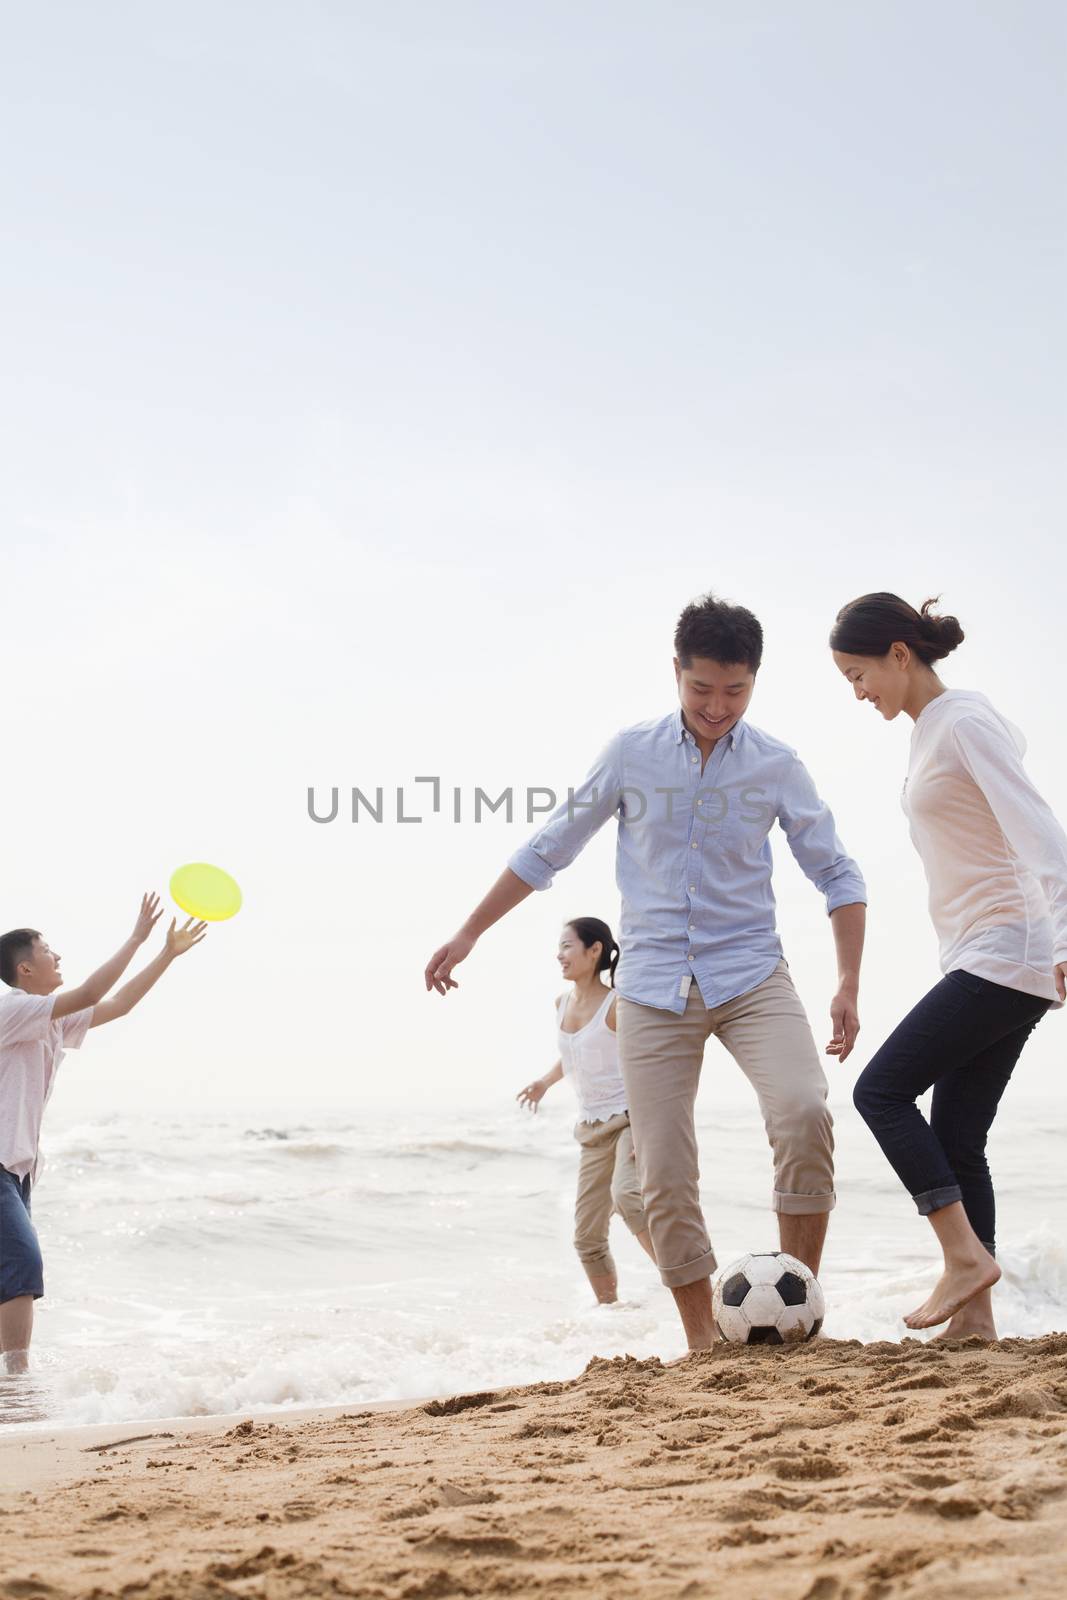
203,1265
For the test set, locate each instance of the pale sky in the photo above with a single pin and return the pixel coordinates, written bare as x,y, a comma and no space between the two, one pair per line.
380,382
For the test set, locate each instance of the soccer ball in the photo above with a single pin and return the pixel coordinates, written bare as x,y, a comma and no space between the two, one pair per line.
768,1299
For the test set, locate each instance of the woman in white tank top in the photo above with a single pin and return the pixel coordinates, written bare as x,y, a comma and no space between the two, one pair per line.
589,1057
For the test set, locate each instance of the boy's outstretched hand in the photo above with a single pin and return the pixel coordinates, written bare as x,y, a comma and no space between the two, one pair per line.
179,940
147,918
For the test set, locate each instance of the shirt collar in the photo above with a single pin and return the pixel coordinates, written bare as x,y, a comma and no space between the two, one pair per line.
682,732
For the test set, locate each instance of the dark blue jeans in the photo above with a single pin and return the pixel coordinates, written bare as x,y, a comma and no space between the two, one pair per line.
964,1038
21,1270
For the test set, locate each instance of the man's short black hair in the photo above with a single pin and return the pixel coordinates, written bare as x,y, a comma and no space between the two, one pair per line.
15,946
718,632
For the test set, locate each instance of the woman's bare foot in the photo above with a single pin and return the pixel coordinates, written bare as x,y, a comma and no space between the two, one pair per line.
958,1285
974,1321
963,1327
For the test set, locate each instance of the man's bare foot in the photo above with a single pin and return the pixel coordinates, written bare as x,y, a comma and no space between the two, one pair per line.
714,1338
957,1286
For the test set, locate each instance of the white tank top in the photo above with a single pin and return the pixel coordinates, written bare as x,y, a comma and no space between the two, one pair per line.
590,1060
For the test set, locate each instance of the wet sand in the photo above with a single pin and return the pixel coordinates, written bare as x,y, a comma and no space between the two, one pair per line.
827,1471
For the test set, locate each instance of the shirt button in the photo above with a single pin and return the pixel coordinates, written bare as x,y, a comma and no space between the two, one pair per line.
692,927
693,845
692,888
694,761
691,958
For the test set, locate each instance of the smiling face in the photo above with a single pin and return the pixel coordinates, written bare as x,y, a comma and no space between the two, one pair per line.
575,960
38,972
883,680
713,695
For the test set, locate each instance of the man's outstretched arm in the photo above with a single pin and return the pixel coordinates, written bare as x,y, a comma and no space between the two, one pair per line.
566,832
93,990
179,940
507,892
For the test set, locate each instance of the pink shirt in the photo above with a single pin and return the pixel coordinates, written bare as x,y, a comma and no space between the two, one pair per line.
31,1048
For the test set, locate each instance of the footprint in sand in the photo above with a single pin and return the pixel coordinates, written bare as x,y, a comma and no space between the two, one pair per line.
457,1403
825,1587
476,1544
417,1508
265,1559
300,1510
757,1505
954,1506
922,1380
453,1494
804,1467
1021,1403
746,1534
114,1515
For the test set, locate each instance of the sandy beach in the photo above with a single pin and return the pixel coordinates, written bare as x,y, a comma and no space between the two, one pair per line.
830,1471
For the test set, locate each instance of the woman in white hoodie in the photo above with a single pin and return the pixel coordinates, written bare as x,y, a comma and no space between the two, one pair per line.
996,863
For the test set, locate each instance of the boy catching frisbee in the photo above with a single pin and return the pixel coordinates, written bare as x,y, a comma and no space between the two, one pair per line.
37,1026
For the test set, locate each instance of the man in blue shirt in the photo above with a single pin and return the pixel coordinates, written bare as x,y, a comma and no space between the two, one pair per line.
695,794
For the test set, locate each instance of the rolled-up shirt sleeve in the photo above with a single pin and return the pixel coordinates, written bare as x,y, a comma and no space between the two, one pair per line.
1026,819
574,822
808,824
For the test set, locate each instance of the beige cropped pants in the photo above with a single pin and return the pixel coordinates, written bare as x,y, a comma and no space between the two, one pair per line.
607,1182
660,1055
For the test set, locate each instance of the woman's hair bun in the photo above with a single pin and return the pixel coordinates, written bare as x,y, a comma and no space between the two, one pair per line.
944,633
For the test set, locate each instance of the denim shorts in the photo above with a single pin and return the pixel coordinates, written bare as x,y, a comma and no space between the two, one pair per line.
21,1268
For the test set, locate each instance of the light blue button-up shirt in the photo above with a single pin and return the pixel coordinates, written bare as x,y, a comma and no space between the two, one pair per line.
693,858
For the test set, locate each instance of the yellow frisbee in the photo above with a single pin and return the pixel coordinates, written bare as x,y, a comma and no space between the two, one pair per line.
205,891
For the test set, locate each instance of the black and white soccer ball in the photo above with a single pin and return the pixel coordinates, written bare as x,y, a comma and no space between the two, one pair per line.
768,1299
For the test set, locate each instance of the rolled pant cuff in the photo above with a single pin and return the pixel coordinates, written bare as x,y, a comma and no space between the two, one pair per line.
803,1205
936,1199
599,1266
690,1271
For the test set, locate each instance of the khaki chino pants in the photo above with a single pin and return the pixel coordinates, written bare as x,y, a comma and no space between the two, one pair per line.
607,1182
660,1054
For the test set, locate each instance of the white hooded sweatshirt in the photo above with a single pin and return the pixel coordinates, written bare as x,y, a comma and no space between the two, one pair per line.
994,854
